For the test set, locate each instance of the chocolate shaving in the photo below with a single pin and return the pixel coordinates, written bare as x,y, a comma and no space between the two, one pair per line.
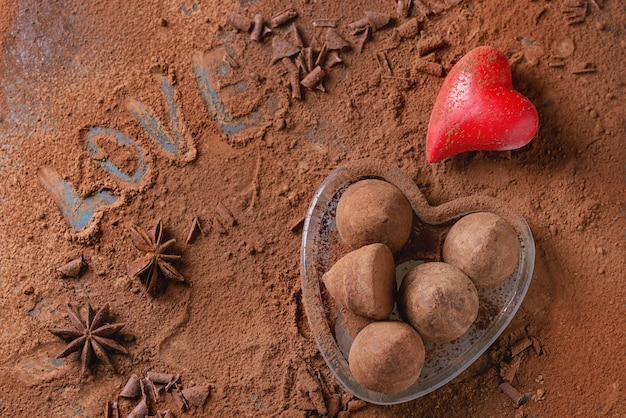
229,60
584,68
307,55
334,41
150,392
238,21
111,410
259,30
292,35
333,59
132,389
297,225
362,38
435,7
421,10
377,20
290,66
300,64
172,382
194,231
520,346
408,29
403,7
73,268
284,17
294,77
428,67
225,216
281,48
313,79
196,395
574,11
158,389
511,369
325,23
163,378
429,44
383,62
180,399
517,398
140,411
536,346
359,26
321,56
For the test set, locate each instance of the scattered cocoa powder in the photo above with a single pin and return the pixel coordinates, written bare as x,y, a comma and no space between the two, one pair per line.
70,66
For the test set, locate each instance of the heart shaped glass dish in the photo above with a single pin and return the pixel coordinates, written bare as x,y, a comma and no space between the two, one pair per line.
322,247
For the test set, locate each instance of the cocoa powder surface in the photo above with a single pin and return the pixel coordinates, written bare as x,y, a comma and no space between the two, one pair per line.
239,324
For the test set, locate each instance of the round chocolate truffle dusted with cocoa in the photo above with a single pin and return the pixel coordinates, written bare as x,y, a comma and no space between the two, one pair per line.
484,246
439,300
387,356
364,281
372,211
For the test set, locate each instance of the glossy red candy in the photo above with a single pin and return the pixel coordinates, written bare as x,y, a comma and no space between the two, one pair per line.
477,109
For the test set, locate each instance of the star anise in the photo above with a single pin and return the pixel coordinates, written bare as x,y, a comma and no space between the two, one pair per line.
147,267
90,335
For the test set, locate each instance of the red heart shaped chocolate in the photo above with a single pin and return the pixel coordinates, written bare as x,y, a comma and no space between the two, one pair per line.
477,109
